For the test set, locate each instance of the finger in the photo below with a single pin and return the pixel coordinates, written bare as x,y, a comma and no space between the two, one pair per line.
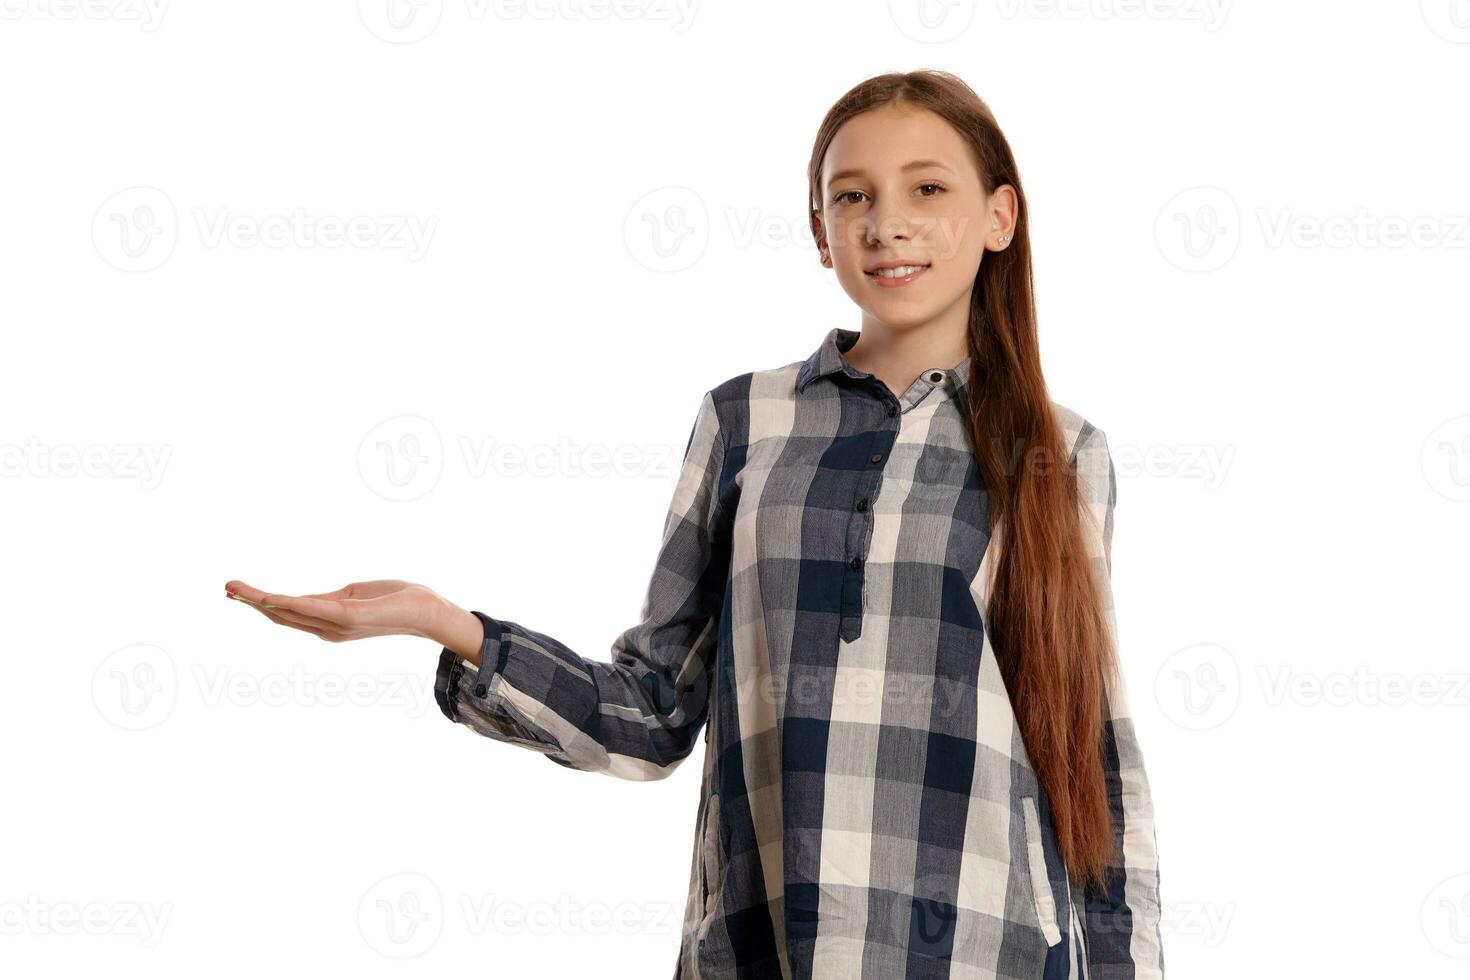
240,590
277,613
330,611
328,634
281,615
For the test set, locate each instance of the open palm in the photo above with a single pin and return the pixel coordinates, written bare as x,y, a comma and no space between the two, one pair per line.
382,607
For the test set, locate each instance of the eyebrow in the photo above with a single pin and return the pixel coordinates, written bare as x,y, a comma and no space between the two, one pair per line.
911,165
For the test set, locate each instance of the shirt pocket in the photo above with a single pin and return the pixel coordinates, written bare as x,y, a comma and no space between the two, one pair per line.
712,858
1041,892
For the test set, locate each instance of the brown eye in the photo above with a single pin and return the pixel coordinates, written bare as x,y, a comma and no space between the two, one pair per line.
937,187
839,199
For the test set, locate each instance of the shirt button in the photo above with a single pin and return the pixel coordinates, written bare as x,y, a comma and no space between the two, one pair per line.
863,504
936,376
856,563
876,458
479,690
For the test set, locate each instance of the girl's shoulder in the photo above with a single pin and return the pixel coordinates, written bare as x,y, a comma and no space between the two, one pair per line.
1078,432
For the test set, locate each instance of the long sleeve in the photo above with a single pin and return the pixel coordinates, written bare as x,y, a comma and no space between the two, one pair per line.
638,716
1121,923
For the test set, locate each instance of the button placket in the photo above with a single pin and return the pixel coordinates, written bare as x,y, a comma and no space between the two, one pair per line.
855,579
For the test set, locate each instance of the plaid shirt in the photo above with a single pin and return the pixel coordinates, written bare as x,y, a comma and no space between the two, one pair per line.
868,810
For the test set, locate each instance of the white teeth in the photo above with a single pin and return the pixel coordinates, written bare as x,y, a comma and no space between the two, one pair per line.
898,272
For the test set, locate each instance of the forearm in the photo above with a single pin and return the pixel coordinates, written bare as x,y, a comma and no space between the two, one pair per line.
458,630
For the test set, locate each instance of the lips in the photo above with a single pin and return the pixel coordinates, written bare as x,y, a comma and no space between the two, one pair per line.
910,272
875,269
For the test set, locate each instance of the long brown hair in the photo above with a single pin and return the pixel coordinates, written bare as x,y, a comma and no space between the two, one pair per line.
1047,622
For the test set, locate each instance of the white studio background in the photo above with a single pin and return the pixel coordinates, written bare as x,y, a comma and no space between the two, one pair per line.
564,221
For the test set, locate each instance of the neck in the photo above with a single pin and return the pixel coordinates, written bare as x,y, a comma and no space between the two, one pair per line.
897,355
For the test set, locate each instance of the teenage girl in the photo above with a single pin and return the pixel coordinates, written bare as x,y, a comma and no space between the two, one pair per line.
883,597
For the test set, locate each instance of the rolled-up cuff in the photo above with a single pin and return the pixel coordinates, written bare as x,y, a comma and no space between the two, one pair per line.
471,696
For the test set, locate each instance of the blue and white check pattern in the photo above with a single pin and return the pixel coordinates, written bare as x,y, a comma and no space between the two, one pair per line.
868,810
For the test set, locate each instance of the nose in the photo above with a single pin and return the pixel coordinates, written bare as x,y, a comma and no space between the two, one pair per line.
887,223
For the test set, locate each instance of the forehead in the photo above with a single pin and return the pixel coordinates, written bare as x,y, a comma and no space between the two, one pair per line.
883,140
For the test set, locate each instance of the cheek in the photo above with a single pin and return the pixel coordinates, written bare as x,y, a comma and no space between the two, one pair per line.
959,239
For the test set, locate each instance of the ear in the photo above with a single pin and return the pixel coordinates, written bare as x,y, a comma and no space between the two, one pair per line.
824,254
1004,211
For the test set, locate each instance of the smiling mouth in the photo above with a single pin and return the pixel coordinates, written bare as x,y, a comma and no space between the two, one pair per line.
897,275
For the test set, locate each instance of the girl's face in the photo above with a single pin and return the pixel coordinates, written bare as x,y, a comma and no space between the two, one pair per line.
900,188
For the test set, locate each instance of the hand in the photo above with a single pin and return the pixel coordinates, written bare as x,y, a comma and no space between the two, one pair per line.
384,607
